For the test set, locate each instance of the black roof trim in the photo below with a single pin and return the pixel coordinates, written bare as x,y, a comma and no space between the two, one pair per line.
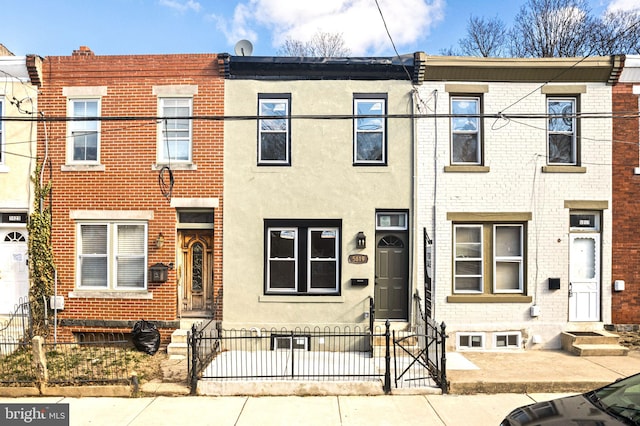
316,68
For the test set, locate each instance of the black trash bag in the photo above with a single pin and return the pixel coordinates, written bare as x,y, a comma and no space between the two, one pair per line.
146,337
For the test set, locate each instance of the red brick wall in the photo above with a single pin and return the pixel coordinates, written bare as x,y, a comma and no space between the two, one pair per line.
128,150
626,206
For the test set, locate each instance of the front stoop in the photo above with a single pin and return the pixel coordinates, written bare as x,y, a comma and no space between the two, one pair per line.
178,345
592,343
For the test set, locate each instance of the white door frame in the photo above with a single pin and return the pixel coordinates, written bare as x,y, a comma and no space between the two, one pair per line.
584,277
14,271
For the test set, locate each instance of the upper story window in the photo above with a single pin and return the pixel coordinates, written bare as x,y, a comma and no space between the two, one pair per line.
175,142
111,255
562,131
302,257
488,253
370,129
84,134
466,135
274,126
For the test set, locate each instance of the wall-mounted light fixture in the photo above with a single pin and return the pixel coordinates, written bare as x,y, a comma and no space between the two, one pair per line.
361,240
160,240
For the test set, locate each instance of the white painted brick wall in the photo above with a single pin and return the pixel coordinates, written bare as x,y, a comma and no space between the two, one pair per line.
515,151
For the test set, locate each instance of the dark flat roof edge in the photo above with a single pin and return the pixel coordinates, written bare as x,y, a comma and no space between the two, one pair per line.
320,68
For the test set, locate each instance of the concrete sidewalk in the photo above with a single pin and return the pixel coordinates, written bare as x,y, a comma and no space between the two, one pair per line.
478,410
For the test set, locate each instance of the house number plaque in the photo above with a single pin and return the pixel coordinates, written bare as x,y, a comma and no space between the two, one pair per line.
358,258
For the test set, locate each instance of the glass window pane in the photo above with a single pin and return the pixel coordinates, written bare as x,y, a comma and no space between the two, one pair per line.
465,148
561,148
468,267
508,275
93,271
584,266
282,274
562,116
323,274
273,146
196,217
131,272
282,244
94,239
323,244
131,239
508,241
468,284
369,147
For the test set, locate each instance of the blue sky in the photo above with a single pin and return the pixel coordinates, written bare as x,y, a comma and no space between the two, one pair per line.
115,27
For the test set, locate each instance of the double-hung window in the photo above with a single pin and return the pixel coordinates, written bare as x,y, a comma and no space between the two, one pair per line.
488,258
302,257
466,135
370,129
274,126
176,138
111,256
561,131
84,133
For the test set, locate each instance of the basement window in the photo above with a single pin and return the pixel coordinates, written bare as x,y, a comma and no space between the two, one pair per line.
288,342
510,340
469,341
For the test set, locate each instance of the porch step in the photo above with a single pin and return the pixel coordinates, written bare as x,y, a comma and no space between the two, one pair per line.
592,343
599,350
178,345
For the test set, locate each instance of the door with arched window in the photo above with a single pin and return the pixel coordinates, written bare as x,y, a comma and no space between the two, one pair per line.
392,276
197,272
14,271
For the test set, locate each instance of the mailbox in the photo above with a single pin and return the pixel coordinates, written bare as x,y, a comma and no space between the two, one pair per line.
360,281
158,273
554,283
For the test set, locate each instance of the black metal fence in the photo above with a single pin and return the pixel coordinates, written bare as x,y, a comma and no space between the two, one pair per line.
15,347
94,358
432,341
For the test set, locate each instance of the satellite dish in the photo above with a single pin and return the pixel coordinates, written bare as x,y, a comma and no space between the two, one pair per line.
244,48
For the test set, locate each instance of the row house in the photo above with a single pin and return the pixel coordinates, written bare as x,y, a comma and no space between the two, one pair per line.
136,164
20,79
626,187
514,197
318,191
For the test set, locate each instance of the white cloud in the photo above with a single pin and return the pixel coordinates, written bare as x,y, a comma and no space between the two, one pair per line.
358,21
182,6
627,5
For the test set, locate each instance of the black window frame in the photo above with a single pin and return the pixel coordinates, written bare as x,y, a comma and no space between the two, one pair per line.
385,128
259,160
302,257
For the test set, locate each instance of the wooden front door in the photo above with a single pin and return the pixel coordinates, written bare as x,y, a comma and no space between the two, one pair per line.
391,293
197,272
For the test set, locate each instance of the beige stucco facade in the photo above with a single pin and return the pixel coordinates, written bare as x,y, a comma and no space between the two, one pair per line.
320,183
18,105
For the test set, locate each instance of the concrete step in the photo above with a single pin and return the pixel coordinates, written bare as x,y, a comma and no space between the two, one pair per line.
599,350
175,349
600,337
179,336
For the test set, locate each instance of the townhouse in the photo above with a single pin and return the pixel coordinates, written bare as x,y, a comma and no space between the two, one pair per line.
20,78
318,191
136,188
514,198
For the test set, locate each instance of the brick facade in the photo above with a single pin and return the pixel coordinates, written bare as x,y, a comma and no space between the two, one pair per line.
128,180
626,187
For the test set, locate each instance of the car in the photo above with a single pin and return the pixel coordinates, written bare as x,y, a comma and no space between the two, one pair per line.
617,403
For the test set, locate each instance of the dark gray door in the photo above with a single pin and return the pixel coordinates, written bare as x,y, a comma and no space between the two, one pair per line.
392,276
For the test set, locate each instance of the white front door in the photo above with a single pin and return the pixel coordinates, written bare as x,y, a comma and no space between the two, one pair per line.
14,272
584,277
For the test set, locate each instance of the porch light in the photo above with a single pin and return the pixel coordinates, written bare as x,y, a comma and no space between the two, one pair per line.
160,240
361,240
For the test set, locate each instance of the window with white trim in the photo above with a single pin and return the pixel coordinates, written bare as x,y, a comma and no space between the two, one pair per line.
488,253
84,134
466,341
111,255
562,140
466,135
507,340
370,129
302,257
274,132
175,144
